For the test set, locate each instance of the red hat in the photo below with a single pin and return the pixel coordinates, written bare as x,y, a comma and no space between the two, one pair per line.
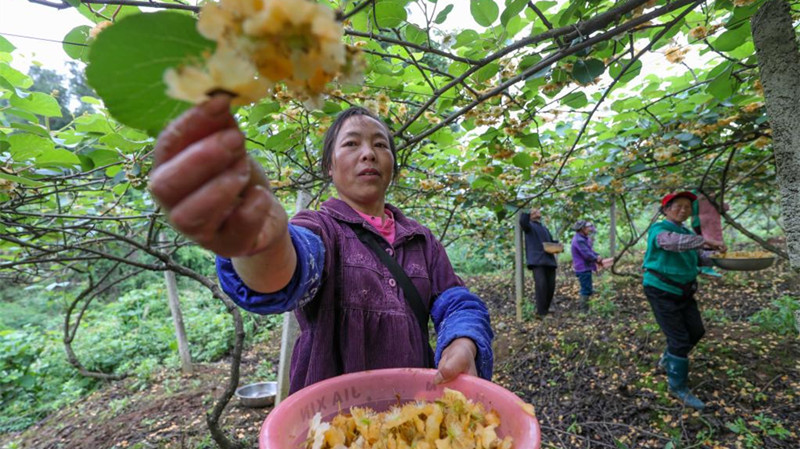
671,196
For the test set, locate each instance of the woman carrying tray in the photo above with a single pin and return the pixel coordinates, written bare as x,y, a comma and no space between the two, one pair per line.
670,282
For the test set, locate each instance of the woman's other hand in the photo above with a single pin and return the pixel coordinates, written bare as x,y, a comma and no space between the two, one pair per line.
458,357
210,189
716,245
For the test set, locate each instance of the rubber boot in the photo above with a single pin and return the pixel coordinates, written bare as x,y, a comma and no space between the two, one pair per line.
678,374
662,362
584,304
710,271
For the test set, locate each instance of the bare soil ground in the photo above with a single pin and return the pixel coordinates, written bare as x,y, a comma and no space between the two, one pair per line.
591,376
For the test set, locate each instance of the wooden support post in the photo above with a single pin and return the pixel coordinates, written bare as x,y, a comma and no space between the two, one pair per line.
290,327
519,268
288,338
177,319
612,230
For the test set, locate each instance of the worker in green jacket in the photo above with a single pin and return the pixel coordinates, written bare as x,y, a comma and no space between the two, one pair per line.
671,262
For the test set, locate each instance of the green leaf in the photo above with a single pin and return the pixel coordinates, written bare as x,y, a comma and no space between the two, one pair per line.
486,72
603,180
575,100
415,34
127,63
104,157
466,38
58,157
33,128
530,140
390,13
512,10
585,71
94,123
6,46
457,68
484,11
442,16
522,160
91,100
515,25
732,39
724,85
633,71
38,103
281,141
25,146
20,180
14,76
258,112
76,43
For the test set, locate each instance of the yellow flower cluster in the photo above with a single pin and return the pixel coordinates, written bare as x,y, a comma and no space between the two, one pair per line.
665,153
758,87
452,422
264,42
675,54
762,142
430,185
515,127
752,107
726,122
699,32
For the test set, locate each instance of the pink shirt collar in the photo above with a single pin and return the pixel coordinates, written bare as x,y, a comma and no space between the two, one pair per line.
385,227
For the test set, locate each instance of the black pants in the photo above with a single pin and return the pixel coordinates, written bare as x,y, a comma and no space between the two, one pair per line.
544,279
678,318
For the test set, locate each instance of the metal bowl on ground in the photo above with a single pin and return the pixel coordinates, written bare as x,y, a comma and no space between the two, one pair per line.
261,394
552,248
753,264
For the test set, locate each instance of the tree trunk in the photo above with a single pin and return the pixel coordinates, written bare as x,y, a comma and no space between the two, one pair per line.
177,319
779,63
519,270
612,228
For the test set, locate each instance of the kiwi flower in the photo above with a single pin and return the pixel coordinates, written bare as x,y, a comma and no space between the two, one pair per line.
261,43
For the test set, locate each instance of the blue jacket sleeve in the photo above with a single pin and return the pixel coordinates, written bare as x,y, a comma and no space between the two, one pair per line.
459,313
301,288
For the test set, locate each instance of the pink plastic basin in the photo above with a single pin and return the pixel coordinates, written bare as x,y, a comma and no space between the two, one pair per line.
286,427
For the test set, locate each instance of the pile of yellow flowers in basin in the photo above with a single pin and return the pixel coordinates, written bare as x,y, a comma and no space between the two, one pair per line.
264,42
452,422
744,255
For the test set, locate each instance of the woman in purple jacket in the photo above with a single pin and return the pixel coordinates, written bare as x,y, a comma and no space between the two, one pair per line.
352,311
584,260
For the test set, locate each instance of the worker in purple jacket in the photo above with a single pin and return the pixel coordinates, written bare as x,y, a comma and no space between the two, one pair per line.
584,260
352,312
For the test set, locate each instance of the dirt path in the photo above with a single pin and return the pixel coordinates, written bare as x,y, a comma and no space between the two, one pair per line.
591,377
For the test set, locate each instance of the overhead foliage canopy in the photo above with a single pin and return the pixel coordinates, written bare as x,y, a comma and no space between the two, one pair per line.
553,102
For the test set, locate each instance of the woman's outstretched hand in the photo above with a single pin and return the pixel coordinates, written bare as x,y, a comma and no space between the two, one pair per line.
458,357
210,189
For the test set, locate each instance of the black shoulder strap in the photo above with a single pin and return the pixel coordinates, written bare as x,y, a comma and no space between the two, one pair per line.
686,288
409,291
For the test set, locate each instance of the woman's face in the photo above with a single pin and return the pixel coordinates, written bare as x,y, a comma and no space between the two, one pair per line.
679,210
362,162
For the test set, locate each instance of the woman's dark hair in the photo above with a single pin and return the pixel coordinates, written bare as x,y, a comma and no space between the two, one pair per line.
333,133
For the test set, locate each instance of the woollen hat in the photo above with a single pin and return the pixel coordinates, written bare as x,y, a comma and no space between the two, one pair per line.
671,196
579,225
